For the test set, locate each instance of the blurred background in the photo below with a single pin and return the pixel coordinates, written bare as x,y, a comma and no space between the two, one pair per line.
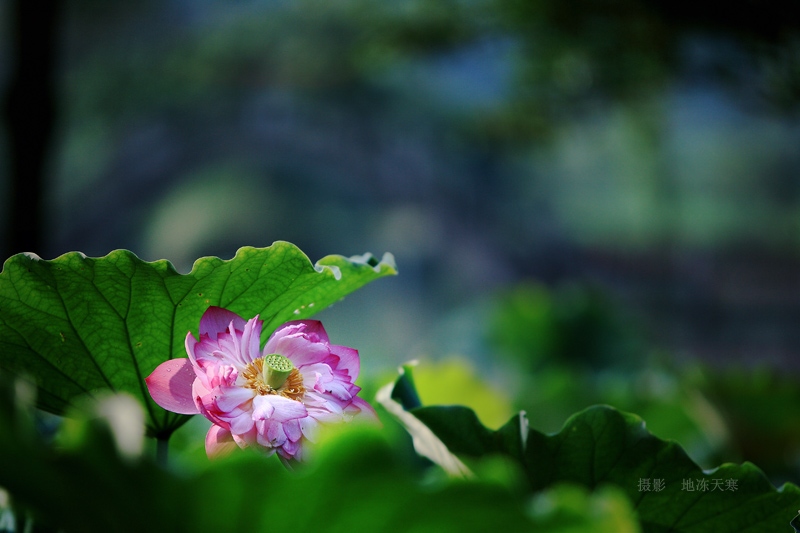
588,202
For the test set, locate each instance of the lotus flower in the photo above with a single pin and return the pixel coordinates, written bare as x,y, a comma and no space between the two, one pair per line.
274,399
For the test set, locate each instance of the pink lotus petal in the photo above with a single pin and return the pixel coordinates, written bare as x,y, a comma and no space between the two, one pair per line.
170,386
262,408
251,340
292,429
310,428
302,341
292,448
190,344
247,440
203,352
324,401
230,349
329,414
363,409
340,390
301,351
231,397
348,360
312,329
241,423
277,408
262,426
200,387
219,442
316,376
208,412
275,434
216,320
289,453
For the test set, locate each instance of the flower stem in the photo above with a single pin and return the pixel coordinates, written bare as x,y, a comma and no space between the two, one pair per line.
162,450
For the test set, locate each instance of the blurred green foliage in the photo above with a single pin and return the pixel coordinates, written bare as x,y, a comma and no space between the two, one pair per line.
455,381
572,325
575,348
602,446
356,481
760,410
571,508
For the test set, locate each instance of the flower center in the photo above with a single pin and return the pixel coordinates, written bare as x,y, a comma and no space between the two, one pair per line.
276,369
274,374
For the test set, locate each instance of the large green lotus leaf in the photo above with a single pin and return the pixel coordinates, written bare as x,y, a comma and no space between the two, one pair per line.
78,324
602,446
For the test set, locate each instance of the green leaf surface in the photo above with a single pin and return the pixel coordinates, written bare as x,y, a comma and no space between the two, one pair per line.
602,446
78,325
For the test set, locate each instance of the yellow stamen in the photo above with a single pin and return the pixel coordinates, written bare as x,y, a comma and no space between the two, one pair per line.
255,379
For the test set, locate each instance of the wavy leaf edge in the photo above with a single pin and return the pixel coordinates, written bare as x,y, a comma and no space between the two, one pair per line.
476,441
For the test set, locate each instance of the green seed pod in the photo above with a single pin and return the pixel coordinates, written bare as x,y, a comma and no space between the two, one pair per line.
276,369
